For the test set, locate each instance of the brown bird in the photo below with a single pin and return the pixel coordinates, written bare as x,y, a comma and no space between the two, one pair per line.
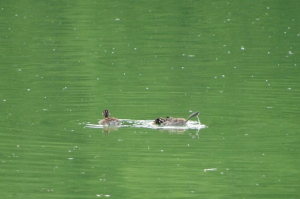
170,121
109,121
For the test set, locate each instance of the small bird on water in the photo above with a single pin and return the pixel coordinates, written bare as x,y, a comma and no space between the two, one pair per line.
109,121
170,121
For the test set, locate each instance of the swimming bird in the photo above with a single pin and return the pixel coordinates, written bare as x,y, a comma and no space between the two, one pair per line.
170,121
109,121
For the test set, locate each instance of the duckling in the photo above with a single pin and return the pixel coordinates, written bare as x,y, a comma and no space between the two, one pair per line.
109,121
170,121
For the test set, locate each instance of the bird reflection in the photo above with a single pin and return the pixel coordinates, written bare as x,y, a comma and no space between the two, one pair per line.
193,134
108,129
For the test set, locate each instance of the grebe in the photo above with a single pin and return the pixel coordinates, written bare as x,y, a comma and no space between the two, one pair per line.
170,121
109,121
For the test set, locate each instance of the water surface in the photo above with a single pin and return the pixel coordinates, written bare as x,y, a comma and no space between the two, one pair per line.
63,63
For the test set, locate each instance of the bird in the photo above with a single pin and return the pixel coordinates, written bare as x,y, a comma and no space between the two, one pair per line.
109,121
170,121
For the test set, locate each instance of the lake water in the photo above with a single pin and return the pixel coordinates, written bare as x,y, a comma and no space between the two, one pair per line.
64,62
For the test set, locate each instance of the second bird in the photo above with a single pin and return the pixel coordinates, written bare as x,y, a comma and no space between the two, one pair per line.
170,121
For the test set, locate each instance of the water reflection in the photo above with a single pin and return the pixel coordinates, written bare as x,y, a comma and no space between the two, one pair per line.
193,134
107,129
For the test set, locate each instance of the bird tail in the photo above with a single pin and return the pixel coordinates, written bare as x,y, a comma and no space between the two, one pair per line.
193,115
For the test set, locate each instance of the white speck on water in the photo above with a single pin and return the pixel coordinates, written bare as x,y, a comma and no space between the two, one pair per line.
191,55
242,48
268,53
135,48
266,80
107,196
124,73
117,19
289,27
183,54
289,88
188,144
4,100
228,52
182,67
223,75
97,78
147,88
216,58
53,49
221,173
284,32
212,169
161,150
28,89
20,69
267,8
70,158
215,77
18,146
269,107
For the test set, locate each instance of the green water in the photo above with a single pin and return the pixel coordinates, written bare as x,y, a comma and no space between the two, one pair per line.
64,62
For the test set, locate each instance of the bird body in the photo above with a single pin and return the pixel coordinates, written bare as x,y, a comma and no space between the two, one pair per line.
109,121
170,121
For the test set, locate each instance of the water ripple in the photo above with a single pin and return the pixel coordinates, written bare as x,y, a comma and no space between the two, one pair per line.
149,124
